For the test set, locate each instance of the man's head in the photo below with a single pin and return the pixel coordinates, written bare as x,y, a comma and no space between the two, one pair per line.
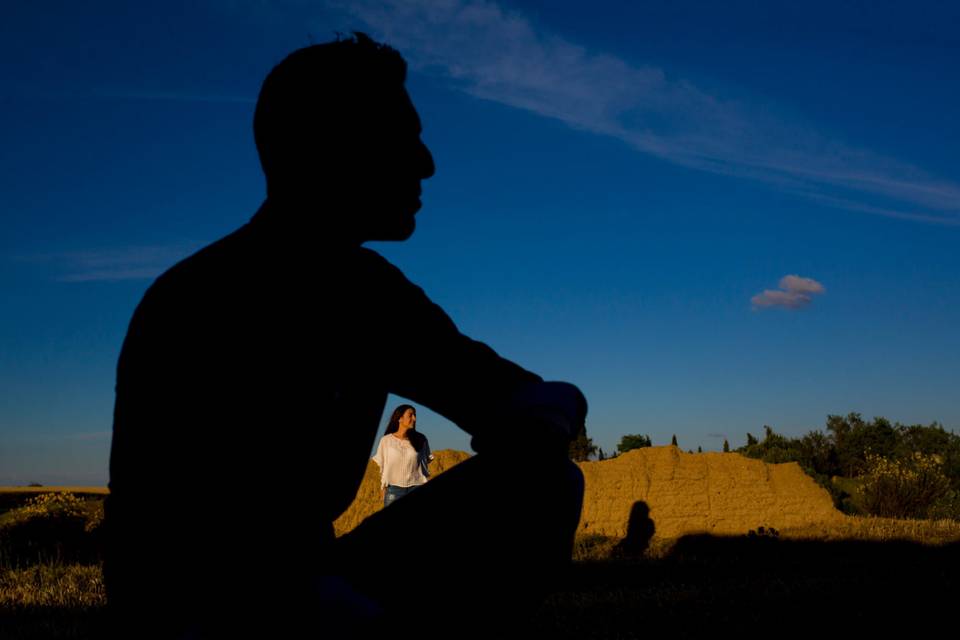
336,130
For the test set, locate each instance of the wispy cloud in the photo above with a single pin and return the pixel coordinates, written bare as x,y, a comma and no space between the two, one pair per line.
111,264
145,95
499,55
795,292
172,96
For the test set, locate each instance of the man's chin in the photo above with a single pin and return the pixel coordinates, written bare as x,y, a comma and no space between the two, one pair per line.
407,232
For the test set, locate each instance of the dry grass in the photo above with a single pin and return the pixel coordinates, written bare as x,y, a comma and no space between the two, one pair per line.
851,528
864,528
52,602
52,585
740,584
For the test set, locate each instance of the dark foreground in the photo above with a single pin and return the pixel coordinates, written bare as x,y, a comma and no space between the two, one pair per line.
709,585
704,585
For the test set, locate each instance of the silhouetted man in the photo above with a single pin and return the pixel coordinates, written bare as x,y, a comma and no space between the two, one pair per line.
253,378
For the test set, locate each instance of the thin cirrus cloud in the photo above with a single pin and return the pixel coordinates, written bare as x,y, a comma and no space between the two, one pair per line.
499,55
794,293
173,96
113,264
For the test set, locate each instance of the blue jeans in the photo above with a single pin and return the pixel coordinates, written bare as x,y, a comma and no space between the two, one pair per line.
394,493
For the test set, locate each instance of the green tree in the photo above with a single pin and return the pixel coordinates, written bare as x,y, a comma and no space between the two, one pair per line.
634,441
932,439
726,446
674,440
853,437
582,447
817,454
699,450
774,448
751,440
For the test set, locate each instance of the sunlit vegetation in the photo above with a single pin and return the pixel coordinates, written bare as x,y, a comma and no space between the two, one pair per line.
874,468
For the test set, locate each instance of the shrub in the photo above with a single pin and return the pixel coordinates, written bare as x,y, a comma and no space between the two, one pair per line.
582,447
946,507
51,527
909,487
633,441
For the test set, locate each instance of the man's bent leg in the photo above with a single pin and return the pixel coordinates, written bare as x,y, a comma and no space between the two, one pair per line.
484,541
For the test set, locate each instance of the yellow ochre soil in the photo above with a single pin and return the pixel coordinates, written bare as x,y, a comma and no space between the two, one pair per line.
719,493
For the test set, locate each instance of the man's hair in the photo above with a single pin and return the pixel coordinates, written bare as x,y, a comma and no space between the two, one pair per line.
319,96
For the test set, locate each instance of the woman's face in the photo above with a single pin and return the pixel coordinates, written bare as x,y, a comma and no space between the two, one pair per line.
408,420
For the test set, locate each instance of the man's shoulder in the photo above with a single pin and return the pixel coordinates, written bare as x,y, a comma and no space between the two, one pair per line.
190,282
369,259
372,274
221,256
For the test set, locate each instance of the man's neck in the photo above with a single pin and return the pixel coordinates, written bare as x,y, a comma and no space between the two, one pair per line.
295,221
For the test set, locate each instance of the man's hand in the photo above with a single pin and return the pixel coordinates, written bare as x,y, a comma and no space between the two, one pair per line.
557,404
546,415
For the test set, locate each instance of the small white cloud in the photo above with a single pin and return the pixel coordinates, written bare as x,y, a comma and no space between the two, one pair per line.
796,284
795,292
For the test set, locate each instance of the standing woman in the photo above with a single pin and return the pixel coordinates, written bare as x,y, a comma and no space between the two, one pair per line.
403,455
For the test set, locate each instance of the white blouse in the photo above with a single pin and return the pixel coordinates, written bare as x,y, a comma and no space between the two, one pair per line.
400,464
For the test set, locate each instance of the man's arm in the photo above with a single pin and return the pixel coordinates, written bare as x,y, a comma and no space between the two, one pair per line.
493,399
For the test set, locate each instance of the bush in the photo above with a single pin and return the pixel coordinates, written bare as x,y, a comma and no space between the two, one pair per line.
51,527
947,507
633,441
844,491
582,447
909,487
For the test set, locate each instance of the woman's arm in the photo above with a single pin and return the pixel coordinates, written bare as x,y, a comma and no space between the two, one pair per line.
380,457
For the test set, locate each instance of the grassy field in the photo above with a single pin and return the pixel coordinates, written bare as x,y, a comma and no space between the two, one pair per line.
862,575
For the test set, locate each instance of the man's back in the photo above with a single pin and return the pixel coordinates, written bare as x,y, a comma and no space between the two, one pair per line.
237,390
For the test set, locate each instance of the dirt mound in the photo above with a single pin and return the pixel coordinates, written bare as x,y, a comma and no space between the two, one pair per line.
721,493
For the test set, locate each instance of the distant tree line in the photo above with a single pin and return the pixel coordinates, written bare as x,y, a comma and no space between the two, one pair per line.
582,448
877,467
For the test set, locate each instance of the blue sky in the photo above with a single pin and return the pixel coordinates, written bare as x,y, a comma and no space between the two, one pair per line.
708,217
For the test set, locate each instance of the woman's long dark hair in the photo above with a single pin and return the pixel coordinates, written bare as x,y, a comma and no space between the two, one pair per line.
416,438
